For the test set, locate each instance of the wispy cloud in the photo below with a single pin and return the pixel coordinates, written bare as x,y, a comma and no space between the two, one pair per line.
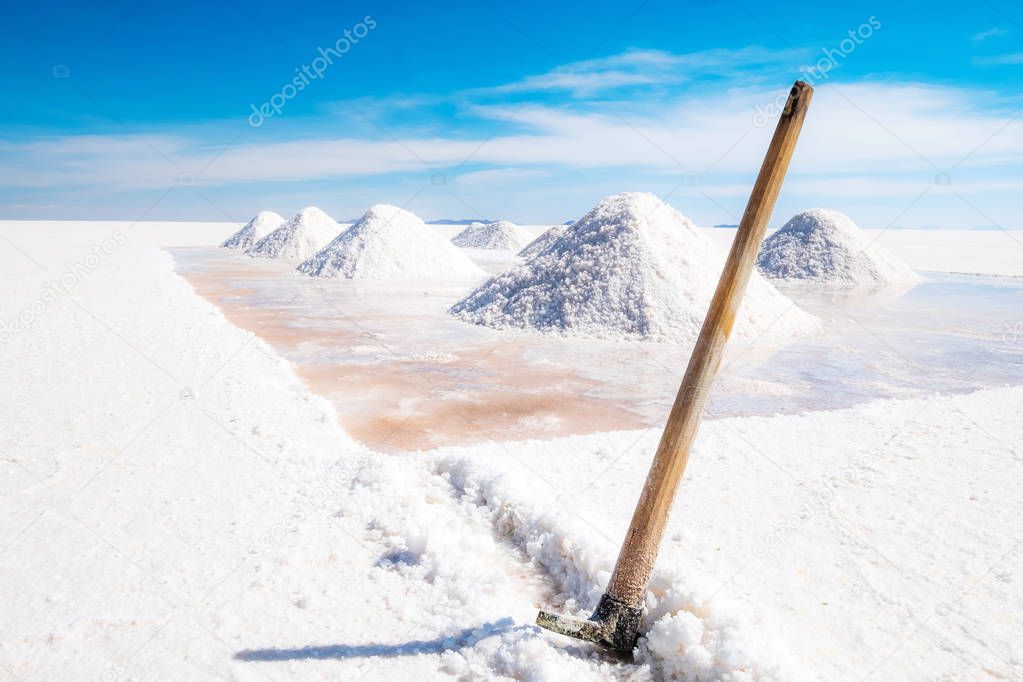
989,33
497,177
1008,59
649,67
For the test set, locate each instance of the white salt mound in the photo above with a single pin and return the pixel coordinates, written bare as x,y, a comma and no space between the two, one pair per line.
826,247
631,268
497,235
536,246
307,232
390,243
263,224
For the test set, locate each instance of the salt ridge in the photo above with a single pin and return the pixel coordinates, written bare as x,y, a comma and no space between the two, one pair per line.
261,225
388,242
633,268
826,247
307,232
497,235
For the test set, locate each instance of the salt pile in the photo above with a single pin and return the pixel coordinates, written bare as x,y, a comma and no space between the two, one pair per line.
536,246
827,247
390,243
631,268
498,235
307,232
263,224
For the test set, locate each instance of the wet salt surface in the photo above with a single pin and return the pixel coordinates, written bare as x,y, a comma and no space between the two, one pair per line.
403,375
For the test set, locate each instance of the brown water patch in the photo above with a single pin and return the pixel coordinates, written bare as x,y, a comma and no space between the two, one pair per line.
407,378
408,406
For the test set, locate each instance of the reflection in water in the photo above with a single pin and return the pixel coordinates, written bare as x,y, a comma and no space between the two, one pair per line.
403,375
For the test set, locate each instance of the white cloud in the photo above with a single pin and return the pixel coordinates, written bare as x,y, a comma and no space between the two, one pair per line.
1008,59
496,177
989,33
851,128
648,67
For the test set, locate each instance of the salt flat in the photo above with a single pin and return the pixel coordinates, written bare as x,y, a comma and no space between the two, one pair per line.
178,504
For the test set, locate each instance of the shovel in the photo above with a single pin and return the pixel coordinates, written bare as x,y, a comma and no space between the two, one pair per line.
616,620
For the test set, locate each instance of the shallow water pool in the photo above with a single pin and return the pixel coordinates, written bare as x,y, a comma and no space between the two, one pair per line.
404,375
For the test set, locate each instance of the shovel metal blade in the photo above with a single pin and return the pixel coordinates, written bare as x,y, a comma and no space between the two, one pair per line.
614,625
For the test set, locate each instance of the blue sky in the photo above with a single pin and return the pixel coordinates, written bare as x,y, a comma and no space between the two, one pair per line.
525,111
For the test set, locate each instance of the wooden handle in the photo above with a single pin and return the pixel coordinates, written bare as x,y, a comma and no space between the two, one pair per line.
639,551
